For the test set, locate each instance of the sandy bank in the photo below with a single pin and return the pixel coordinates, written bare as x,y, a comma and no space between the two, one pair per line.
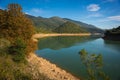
36,36
50,70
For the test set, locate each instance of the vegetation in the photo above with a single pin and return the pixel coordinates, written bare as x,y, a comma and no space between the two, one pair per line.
46,23
14,24
43,30
70,27
54,22
10,69
15,44
4,44
18,51
94,64
112,34
88,27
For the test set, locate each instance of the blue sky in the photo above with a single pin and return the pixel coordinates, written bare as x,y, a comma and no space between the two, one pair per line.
104,14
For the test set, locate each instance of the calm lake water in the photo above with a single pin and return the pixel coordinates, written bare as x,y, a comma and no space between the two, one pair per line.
64,52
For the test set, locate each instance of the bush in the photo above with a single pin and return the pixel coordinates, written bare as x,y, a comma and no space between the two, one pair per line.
4,44
21,76
18,50
9,70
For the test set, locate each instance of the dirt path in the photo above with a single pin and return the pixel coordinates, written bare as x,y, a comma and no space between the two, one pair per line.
50,70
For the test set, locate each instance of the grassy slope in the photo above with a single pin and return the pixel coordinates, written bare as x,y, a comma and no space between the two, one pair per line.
11,70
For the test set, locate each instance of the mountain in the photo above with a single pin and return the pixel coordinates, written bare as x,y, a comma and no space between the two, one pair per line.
70,27
88,27
54,22
48,23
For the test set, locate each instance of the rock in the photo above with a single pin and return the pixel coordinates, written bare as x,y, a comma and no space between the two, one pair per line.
40,65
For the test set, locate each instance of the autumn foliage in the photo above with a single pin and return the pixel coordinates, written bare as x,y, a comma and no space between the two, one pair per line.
14,25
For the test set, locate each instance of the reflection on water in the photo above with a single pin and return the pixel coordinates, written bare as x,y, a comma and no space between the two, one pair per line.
63,51
112,44
62,42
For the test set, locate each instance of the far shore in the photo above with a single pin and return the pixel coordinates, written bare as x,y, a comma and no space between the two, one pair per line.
41,35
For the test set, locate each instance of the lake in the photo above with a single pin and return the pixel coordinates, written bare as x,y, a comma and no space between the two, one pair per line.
64,52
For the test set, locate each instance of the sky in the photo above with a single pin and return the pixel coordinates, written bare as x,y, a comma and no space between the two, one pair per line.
104,14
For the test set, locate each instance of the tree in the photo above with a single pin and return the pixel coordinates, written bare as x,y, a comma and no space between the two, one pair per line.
15,10
15,25
93,64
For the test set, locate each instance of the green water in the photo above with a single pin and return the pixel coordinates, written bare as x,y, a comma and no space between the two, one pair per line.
63,51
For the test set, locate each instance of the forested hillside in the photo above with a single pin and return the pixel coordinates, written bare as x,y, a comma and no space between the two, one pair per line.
46,23
112,34
70,27
49,24
90,28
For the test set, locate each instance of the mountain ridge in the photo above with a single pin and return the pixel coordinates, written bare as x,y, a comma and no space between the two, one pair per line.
55,22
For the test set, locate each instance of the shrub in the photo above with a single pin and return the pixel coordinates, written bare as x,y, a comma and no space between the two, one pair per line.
21,76
18,50
9,70
4,44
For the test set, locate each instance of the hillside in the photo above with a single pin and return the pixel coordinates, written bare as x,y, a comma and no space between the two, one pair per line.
69,27
55,22
112,34
15,45
17,58
47,23
90,28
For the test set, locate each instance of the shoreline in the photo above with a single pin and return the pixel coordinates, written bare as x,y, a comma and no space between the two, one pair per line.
40,65
47,68
37,36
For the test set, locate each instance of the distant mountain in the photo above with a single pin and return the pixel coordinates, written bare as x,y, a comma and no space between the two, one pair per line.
55,22
88,27
70,27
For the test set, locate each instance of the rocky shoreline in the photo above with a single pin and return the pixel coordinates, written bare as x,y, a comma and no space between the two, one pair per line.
40,65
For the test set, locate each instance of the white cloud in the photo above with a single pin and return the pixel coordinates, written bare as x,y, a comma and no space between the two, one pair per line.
26,13
93,7
35,11
115,18
110,18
